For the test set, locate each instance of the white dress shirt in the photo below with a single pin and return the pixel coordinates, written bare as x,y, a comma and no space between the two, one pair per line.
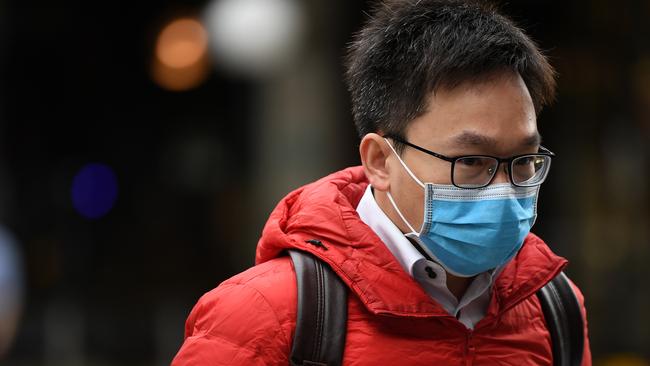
430,275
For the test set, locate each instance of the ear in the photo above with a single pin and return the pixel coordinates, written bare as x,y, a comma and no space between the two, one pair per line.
374,157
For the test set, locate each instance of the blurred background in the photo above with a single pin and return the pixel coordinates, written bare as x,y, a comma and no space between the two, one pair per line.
144,143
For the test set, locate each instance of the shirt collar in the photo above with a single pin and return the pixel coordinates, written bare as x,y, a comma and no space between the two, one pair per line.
373,216
415,264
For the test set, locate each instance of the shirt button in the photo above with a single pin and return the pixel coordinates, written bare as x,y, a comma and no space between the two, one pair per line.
430,272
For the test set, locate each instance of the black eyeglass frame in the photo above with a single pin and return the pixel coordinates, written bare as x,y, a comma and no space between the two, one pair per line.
543,151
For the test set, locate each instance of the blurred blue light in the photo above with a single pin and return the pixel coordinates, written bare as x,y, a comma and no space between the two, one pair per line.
11,288
94,190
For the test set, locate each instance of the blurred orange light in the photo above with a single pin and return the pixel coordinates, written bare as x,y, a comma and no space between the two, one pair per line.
180,61
182,43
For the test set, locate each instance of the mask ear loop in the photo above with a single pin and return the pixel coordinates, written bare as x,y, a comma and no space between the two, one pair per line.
404,164
392,201
390,196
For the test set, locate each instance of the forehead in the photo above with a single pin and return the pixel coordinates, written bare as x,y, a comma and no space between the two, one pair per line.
498,111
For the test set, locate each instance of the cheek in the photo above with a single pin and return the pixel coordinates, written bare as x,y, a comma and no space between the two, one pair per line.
432,170
441,172
409,197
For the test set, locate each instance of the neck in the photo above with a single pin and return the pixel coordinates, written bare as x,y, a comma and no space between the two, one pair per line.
458,285
384,203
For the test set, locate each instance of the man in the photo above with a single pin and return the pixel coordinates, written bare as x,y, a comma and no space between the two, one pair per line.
431,234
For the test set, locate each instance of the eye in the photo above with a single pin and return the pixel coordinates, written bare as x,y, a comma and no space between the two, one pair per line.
526,160
470,161
474,171
475,164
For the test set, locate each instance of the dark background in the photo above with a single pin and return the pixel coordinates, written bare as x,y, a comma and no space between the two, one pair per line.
197,175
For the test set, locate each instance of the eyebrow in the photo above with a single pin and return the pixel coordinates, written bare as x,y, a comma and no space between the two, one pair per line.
469,138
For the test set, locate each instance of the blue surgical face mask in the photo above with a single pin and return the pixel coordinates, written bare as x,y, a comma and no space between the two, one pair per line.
470,231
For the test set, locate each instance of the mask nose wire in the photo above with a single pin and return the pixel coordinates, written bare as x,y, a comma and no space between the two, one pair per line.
390,196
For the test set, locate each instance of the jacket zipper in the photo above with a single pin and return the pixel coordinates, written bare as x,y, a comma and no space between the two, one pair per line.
469,349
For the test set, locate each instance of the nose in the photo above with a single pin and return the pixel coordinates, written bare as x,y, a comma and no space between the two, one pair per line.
502,175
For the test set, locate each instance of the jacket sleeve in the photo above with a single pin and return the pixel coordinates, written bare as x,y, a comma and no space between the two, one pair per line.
233,325
586,355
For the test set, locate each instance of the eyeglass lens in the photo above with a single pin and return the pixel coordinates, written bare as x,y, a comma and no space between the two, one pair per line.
478,171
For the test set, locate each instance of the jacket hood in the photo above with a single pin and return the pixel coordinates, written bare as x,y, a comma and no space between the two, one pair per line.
326,211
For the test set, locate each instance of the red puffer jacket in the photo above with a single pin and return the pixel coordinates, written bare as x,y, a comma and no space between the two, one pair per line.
250,318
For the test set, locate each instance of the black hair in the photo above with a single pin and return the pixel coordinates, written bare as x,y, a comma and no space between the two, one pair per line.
411,48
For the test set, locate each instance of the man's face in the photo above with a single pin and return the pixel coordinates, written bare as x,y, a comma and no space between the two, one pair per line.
495,117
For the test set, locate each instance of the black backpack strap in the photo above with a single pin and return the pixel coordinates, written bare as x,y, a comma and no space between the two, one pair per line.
564,321
321,324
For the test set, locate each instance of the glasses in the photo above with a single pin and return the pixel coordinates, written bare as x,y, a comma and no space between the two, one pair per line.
477,171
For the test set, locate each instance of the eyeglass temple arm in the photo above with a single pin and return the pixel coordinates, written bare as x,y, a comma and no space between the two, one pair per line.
429,152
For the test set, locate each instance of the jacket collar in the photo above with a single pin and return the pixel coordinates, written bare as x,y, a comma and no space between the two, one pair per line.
326,211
